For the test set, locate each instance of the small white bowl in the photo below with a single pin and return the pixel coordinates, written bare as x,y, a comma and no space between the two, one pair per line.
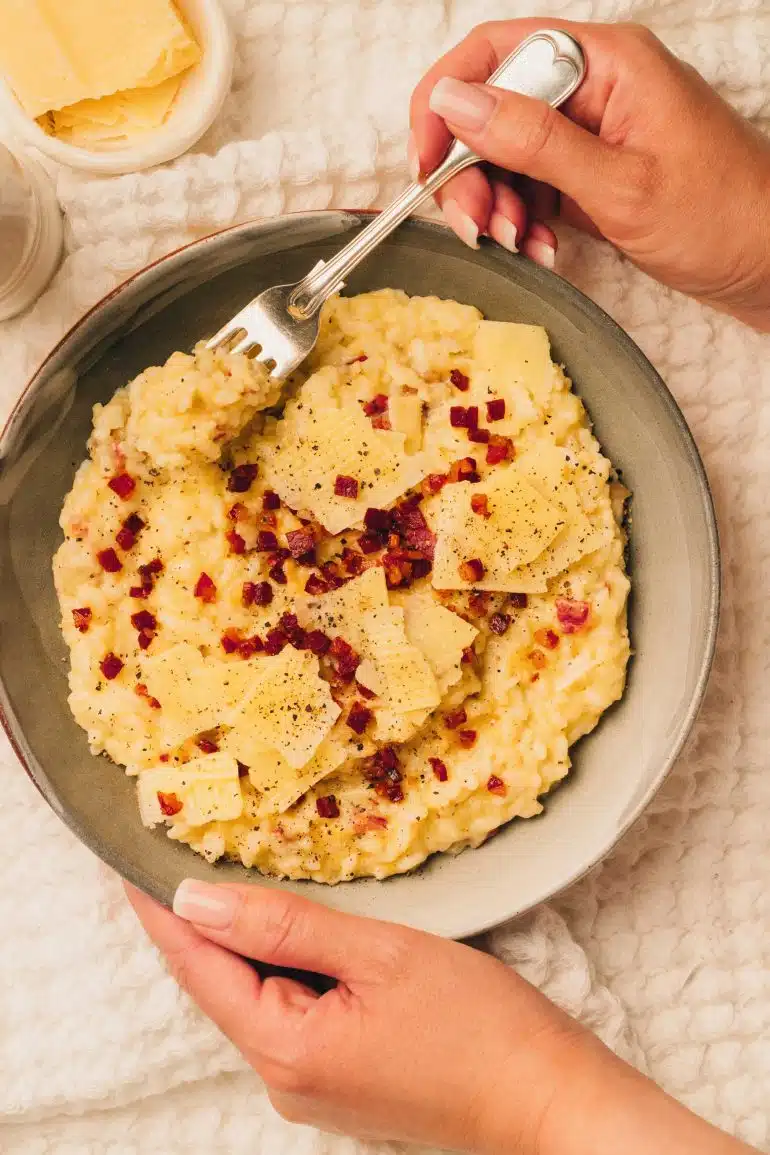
198,101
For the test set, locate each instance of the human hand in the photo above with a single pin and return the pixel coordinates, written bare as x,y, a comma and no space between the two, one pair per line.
644,154
422,1039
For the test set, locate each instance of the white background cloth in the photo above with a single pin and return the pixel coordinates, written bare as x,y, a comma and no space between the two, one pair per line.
665,949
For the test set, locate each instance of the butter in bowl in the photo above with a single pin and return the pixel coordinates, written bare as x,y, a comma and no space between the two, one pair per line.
113,87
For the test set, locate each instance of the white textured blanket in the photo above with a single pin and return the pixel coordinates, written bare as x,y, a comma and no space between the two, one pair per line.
665,949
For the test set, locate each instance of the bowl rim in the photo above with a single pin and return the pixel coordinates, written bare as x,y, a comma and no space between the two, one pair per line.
134,873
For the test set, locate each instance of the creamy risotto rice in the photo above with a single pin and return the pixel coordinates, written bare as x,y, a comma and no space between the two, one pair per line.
333,642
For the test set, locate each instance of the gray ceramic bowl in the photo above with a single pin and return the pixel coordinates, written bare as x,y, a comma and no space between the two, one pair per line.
674,560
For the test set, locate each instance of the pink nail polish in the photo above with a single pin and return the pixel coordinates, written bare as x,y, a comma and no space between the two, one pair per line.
459,221
503,231
541,253
204,904
464,105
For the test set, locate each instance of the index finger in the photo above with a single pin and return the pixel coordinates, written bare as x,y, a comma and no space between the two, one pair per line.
482,51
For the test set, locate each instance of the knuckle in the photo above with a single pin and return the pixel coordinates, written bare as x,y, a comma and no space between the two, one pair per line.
639,34
534,131
392,957
281,918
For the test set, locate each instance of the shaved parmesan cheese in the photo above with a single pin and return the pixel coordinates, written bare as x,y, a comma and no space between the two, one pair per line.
512,362
392,727
406,679
405,413
280,784
194,692
324,434
438,633
207,787
520,526
289,706
555,474
340,612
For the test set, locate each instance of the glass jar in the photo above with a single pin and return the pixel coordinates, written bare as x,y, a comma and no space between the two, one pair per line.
30,232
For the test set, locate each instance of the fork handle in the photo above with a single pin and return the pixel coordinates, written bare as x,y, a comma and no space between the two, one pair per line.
548,66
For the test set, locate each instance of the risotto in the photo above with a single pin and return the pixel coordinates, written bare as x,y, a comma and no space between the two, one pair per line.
335,640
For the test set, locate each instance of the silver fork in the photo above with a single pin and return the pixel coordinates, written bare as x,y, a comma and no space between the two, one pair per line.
281,324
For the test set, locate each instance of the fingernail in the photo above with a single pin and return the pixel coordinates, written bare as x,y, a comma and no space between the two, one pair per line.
459,221
462,104
413,158
503,231
204,904
541,253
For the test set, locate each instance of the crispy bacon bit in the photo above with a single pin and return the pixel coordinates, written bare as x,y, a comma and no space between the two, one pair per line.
459,380
275,641
109,560
129,531
250,646
496,409
238,512
368,543
472,570
290,626
411,524
464,470
537,658
352,561
459,417
346,659
243,770
327,807
345,486
548,638
359,717
382,421
378,520
519,601
331,575
276,572
266,541
383,770
300,542
572,615
365,692
257,593
230,640
270,501
466,738
478,604
421,567
205,589
241,478
236,542
110,666
480,505
499,623
455,718
468,654
495,785
82,619
315,585
122,484
439,769
360,357
433,483
377,405
366,822
140,591
144,620
499,449
145,639
480,435
398,572
206,746
143,692
169,804
317,642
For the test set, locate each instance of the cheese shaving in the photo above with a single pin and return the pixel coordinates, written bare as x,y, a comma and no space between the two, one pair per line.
208,789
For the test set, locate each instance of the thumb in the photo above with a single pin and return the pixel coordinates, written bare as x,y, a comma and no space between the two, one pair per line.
280,928
527,136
